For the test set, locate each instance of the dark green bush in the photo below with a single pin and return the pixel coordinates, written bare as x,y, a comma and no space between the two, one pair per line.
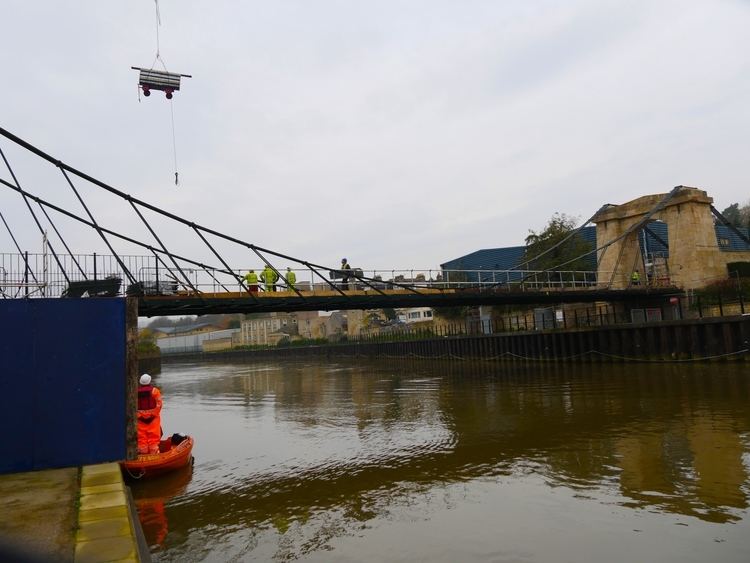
724,290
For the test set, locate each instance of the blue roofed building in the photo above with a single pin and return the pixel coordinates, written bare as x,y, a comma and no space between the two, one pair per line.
496,264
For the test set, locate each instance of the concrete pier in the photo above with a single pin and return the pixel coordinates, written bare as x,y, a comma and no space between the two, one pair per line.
83,515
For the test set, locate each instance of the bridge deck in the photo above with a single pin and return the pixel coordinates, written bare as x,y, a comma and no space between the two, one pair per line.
329,300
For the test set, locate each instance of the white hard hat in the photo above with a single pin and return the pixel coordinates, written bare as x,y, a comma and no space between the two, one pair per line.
145,379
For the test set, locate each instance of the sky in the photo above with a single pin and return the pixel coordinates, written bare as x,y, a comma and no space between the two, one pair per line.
397,134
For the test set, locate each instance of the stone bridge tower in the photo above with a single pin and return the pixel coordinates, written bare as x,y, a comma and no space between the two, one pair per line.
694,255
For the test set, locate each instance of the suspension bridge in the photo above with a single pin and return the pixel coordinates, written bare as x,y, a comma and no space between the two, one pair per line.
166,282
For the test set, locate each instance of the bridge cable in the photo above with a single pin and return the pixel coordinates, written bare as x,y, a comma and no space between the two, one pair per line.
170,274
660,240
635,227
564,240
617,262
123,195
20,252
213,277
70,253
635,260
36,220
237,277
658,207
96,226
278,273
110,231
727,223
153,233
326,280
570,235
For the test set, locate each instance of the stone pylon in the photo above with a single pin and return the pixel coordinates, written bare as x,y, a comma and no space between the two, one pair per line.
694,255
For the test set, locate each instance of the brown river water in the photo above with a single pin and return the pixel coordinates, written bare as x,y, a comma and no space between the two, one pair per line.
347,460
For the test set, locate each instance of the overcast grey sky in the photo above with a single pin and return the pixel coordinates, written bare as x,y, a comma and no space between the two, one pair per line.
396,133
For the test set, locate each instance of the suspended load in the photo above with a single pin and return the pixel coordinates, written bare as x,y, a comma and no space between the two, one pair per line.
163,80
152,79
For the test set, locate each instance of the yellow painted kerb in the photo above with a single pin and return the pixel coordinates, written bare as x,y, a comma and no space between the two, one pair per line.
105,530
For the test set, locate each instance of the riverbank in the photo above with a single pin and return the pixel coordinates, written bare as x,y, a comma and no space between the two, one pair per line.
707,339
149,364
71,514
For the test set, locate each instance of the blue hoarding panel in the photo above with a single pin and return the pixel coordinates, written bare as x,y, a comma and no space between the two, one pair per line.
62,383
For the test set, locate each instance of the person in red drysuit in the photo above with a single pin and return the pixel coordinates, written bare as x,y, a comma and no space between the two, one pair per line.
149,416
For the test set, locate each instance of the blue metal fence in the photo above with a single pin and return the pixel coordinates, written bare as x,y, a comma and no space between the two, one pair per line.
62,385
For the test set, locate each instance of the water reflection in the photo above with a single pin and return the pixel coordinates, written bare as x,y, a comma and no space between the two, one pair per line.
279,445
150,497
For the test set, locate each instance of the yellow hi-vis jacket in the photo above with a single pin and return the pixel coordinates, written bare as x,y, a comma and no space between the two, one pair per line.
269,277
291,279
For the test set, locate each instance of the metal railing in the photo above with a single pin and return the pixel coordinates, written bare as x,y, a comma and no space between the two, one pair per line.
562,318
36,275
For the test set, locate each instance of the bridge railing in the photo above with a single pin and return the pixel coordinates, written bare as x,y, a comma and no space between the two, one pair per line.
66,275
420,279
42,275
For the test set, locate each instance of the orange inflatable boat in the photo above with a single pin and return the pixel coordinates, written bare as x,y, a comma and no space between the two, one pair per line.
174,452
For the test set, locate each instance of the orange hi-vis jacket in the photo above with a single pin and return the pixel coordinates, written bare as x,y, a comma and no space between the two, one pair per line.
149,419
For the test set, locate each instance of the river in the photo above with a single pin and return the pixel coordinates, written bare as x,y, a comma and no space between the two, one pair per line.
428,461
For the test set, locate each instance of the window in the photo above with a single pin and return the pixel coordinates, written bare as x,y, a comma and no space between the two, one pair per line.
428,314
414,315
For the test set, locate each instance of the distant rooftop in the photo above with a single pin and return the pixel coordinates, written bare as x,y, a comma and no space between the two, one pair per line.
181,329
510,257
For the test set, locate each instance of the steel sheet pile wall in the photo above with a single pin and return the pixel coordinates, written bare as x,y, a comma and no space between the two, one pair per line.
723,338
63,382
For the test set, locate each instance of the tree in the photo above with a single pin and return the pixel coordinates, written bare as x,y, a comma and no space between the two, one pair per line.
568,256
732,214
738,216
161,322
146,345
389,314
453,313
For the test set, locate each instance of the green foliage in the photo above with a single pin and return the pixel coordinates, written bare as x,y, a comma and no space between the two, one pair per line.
389,313
738,216
162,322
306,342
146,345
732,214
558,227
222,321
452,313
724,290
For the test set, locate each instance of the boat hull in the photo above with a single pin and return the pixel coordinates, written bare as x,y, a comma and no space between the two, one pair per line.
170,457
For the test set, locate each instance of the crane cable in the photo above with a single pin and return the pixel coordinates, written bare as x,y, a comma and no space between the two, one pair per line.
171,105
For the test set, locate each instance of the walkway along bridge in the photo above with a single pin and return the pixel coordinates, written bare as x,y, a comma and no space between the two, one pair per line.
171,283
159,293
